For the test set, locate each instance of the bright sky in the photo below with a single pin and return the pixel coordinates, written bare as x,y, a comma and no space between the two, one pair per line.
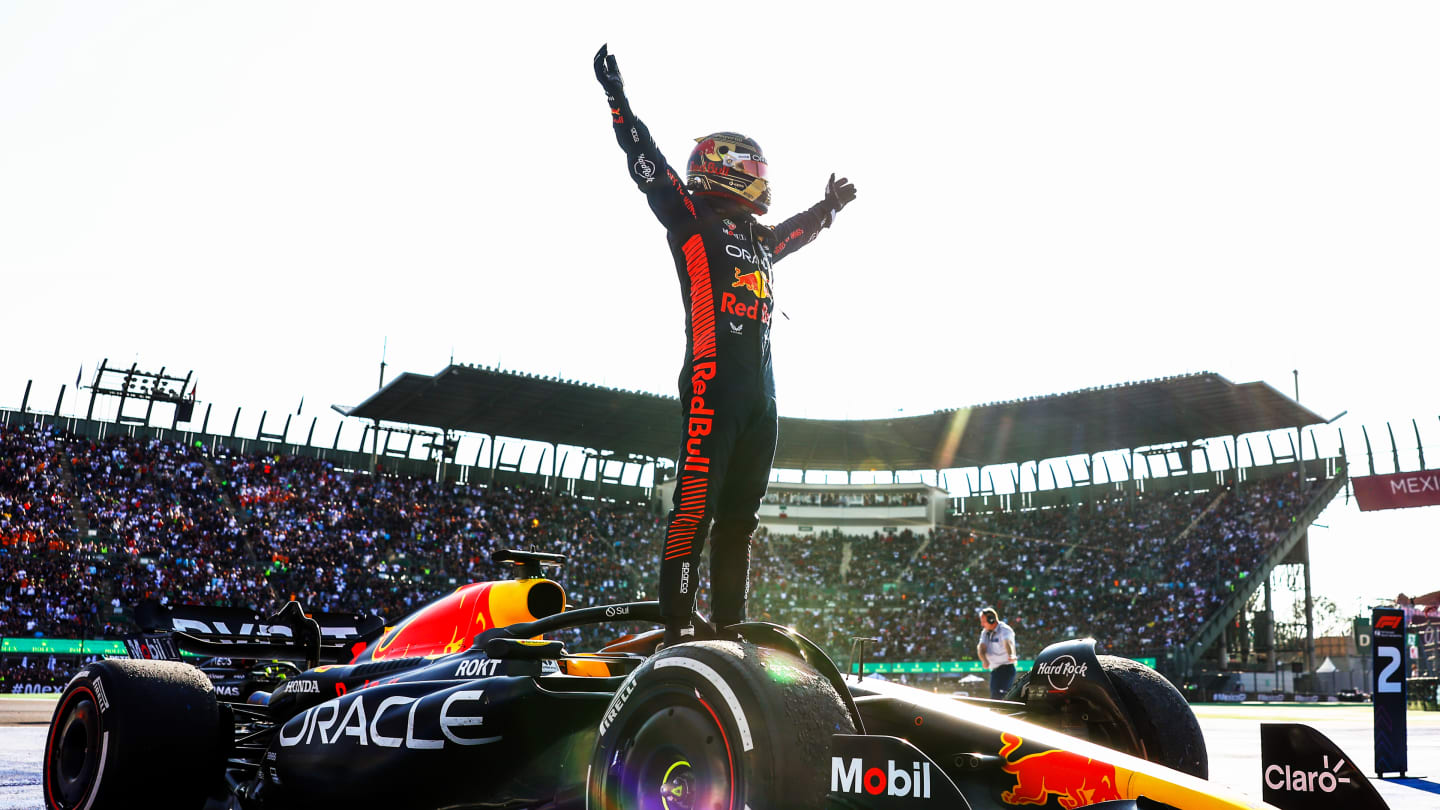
1052,196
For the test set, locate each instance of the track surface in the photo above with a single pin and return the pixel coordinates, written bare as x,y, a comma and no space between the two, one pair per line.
1232,734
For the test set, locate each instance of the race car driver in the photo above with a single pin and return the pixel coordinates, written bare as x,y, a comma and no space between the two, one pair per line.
724,259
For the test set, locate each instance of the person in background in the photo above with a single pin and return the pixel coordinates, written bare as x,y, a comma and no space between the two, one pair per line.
997,652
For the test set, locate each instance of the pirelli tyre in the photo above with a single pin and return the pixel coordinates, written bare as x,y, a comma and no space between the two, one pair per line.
1162,719
134,733
716,725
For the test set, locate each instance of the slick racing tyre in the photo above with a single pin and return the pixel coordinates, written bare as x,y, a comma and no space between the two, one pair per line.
1163,721
133,734
717,725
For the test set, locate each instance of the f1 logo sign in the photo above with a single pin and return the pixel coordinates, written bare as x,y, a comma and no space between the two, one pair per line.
1388,654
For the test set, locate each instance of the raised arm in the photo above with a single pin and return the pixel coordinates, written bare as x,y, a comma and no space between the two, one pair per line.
799,230
652,174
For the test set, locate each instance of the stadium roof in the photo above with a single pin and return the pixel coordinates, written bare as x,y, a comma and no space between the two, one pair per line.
1130,415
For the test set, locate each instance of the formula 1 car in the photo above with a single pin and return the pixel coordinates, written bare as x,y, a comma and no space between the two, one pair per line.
239,678
466,703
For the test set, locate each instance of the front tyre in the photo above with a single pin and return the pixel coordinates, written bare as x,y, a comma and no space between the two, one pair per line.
717,725
1163,720
119,724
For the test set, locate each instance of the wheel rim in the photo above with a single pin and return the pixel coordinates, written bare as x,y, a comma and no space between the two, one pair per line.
677,786
76,756
673,755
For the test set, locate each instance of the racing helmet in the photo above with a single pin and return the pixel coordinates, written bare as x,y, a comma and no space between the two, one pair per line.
730,165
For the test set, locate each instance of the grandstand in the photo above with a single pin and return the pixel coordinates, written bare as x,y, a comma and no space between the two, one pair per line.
1156,563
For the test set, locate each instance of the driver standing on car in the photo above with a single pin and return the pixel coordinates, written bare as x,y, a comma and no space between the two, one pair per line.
723,257
997,652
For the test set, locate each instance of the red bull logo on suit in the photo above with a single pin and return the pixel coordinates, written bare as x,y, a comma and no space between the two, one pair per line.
754,281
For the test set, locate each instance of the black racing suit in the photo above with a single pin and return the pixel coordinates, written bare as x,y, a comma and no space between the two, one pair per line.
728,422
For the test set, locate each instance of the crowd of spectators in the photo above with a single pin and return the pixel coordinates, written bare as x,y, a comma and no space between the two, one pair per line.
33,673
387,545
90,528
1140,575
159,525
42,587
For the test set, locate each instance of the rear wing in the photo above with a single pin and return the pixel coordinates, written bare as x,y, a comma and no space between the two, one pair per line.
151,647
244,633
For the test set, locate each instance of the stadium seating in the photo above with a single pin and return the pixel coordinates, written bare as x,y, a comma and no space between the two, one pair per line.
89,528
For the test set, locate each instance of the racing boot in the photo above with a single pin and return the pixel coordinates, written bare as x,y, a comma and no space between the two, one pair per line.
676,632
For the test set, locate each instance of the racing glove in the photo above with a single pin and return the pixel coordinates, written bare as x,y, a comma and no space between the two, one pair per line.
607,72
838,194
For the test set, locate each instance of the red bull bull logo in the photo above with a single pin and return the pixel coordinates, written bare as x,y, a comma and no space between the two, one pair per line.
1074,780
754,281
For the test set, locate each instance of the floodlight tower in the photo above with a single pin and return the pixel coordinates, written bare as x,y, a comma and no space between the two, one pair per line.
148,387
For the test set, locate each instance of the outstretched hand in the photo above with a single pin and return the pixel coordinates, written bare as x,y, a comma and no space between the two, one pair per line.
607,72
838,194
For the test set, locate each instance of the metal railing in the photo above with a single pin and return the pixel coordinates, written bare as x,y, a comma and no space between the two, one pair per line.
1214,627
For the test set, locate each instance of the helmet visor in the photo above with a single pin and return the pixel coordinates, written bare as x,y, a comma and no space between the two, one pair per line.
747,164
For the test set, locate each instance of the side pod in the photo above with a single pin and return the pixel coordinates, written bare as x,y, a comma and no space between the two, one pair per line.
1301,769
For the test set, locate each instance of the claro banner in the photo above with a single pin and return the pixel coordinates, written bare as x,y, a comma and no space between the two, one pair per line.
1398,490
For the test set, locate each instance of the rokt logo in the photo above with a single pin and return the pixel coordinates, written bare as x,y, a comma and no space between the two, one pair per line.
852,777
1295,780
477,668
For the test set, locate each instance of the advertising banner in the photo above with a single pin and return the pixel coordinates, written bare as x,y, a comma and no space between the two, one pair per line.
28,688
1362,636
1397,490
1391,665
68,646
61,646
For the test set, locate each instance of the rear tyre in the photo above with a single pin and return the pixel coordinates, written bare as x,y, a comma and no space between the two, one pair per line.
1163,721
133,733
717,725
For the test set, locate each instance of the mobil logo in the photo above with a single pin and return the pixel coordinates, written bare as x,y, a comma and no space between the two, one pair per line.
1073,780
850,775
